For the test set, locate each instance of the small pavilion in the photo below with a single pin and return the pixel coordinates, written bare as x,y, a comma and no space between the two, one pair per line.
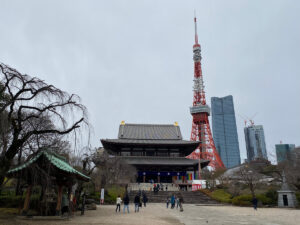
286,196
47,165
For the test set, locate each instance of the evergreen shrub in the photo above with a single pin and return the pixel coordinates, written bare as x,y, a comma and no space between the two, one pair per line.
221,195
242,200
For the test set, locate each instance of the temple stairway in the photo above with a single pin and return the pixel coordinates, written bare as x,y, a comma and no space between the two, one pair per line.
196,197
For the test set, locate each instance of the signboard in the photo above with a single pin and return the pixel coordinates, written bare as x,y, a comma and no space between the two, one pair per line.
198,184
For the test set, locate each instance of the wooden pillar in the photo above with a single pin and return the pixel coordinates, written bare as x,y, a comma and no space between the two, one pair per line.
27,199
59,198
144,178
158,178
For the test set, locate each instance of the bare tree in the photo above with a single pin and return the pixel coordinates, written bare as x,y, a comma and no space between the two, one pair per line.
291,167
29,101
249,175
4,124
84,162
112,170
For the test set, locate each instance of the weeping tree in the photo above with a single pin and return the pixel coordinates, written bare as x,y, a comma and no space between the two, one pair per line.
33,110
112,170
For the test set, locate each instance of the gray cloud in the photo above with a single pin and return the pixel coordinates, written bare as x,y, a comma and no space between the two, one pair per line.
132,60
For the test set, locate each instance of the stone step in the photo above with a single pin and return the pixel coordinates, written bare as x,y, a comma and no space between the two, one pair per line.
196,197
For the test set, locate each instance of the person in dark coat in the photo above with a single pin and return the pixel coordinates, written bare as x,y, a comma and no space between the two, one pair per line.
145,199
180,202
126,203
254,202
168,202
136,203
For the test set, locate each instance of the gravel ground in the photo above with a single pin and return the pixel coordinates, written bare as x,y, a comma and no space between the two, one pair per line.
152,214
157,214
231,215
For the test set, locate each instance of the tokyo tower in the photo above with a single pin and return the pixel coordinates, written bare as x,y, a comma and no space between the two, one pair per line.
200,112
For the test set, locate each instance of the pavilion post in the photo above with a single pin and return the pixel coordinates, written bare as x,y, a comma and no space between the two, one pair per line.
144,178
59,198
158,178
27,198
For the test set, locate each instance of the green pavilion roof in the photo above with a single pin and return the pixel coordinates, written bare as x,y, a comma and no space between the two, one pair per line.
55,160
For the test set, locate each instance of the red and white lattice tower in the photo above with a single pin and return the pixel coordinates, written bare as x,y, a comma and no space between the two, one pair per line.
200,112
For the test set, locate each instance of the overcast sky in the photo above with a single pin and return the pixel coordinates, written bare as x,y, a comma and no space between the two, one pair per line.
132,60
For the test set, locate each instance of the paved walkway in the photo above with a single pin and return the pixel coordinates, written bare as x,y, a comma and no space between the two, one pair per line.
157,214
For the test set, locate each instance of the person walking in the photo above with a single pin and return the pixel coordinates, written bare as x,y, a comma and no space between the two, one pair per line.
145,199
254,202
118,202
177,202
180,202
126,203
172,201
136,203
168,202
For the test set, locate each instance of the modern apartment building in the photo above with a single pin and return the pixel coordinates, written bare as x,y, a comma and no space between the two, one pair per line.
224,130
255,142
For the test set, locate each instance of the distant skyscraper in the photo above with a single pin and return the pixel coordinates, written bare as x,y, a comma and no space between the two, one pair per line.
255,142
224,130
283,150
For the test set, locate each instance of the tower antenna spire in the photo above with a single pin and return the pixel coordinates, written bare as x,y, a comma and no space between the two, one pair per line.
196,32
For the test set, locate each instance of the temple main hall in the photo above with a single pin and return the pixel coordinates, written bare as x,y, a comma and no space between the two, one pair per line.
157,151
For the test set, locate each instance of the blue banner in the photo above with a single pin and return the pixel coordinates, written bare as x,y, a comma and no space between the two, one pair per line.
161,173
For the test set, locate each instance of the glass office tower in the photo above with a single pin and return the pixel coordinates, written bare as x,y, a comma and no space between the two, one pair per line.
283,151
225,131
255,142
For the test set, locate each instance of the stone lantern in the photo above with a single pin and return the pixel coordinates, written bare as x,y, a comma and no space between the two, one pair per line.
286,197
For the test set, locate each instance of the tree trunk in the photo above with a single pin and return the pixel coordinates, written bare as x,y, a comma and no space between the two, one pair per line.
27,199
252,190
4,167
18,191
59,198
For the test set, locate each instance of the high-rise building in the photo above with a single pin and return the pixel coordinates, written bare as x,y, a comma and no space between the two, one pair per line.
225,131
255,142
283,151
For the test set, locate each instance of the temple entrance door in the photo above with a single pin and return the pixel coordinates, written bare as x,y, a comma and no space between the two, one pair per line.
166,179
285,200
150,177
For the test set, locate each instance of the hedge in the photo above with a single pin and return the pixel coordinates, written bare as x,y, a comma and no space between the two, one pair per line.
246,200
242,200
13,201
221,195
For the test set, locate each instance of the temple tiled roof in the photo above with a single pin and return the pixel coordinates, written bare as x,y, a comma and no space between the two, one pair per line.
154,142
149,132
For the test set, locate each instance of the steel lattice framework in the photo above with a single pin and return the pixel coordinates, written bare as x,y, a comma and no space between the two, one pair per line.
200,112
